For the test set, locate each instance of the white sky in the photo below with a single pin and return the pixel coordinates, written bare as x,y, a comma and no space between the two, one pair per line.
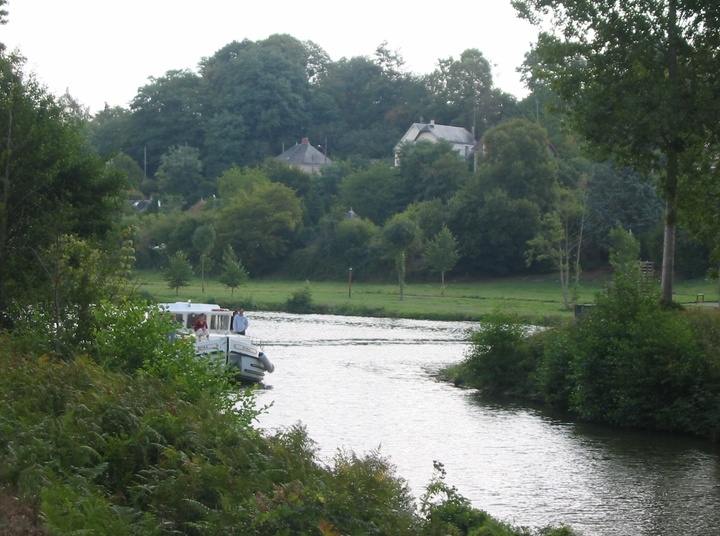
102,51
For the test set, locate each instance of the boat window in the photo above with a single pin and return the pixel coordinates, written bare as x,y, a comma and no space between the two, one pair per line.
219,322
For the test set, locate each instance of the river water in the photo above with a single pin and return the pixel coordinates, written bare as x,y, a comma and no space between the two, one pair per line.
368,384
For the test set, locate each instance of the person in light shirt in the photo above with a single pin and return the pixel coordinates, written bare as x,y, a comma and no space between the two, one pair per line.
240,322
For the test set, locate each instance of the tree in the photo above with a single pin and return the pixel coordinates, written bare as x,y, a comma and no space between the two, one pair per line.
126,165
166,112
559,239
375,193
638,81
258,219
262,87
441,254
463,92
620,196
518,160
179,272
109,131
492,229
625,249
397,236
203,241
180,174
233,272
431,170
51,186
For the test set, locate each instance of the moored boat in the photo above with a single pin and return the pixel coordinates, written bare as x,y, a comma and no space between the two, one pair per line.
234,350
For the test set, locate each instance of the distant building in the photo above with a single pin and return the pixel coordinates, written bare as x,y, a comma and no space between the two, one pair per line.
461,140
304,156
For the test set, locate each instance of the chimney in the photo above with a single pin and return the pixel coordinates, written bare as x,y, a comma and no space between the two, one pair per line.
305,141
432,122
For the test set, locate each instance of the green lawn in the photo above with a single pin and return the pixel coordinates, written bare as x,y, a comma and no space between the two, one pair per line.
535,299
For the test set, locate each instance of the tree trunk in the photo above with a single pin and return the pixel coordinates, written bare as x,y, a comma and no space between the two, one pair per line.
668,259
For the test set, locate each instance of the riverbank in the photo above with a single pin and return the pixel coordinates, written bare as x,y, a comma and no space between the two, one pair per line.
535,299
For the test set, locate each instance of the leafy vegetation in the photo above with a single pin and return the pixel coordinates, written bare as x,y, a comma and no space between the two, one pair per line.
627,361
110,425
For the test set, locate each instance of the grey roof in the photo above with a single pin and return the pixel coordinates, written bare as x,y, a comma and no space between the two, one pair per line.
303,154
447,133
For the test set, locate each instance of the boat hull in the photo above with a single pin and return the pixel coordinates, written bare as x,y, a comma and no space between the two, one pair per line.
238,352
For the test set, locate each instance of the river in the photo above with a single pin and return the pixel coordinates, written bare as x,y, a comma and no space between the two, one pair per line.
369,384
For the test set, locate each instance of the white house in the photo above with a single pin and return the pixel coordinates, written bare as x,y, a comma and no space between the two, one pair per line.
460,139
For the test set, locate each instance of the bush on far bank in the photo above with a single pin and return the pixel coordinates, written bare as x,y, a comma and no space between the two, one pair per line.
628,361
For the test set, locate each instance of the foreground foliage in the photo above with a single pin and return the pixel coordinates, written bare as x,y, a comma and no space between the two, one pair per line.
136,436
628,361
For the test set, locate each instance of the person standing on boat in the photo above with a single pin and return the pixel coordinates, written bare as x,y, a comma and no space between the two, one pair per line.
201,328
240,322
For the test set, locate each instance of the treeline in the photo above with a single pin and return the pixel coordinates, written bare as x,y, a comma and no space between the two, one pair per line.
201,146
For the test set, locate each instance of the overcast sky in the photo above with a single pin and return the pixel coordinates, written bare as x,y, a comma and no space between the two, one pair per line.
102,51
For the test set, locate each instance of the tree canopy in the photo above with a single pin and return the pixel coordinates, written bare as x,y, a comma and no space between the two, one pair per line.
49,185
639,81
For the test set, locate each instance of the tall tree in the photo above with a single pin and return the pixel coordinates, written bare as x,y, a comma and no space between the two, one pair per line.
640,81
50,185
166,112
263,86
431,170
180,174
258,219
463,93
517,159
559,240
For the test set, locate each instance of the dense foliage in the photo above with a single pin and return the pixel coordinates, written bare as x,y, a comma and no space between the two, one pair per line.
638,80
110,425
137,436
627,361
207,141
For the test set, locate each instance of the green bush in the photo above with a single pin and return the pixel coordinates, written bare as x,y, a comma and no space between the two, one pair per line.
632,362
552,374
300,301
499,358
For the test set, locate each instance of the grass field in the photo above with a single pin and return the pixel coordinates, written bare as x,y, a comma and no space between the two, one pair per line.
536,299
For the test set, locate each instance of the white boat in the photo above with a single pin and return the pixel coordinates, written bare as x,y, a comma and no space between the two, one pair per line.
235,350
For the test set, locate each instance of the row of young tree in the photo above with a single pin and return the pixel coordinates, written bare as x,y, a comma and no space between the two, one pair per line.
519,206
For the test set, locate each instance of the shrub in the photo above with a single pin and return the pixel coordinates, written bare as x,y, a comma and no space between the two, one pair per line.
300,301
499,357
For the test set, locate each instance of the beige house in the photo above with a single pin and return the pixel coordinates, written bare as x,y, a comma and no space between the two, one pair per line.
461,140
304,156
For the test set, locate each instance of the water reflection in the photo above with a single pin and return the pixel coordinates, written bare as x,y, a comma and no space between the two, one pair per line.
367,384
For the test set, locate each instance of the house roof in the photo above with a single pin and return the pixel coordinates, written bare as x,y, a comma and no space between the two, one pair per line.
303,154
448,133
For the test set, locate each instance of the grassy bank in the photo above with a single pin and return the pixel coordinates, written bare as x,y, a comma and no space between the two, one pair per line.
536,299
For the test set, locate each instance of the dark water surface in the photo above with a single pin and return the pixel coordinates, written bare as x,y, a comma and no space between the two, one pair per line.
368,384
